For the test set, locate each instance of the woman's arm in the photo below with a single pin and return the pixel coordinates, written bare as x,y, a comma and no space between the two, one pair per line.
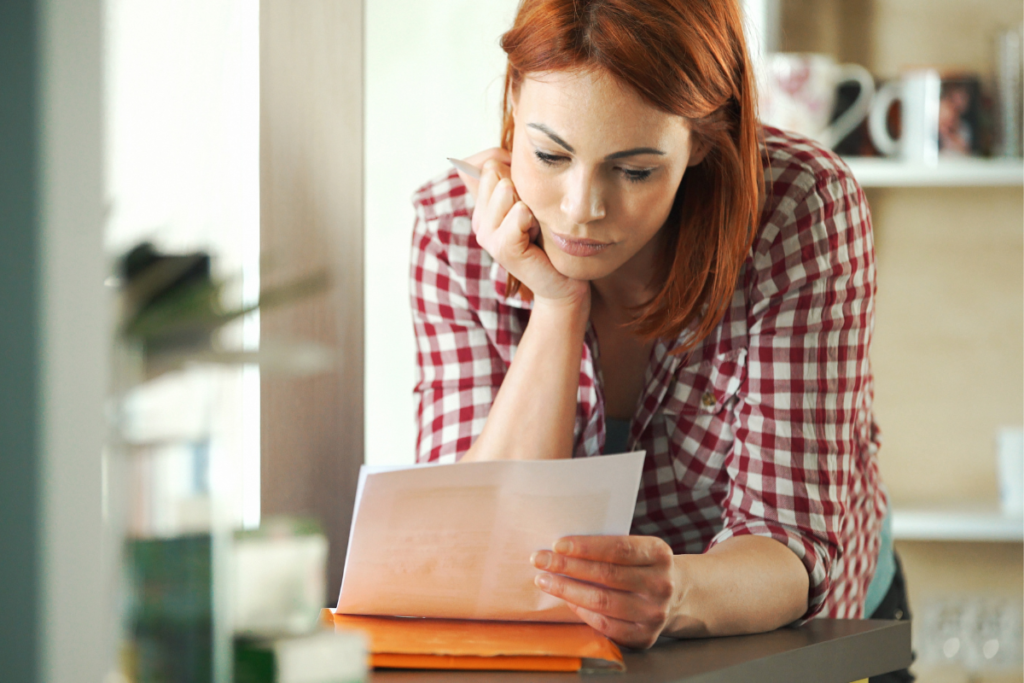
747,584
632,589
533,415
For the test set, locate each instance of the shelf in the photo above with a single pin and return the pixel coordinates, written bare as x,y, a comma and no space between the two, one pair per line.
956,523
872,172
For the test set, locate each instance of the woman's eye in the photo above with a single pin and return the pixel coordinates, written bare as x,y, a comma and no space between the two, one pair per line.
635,176
549,159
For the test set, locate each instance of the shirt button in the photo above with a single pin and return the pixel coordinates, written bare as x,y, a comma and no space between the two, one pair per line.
708,399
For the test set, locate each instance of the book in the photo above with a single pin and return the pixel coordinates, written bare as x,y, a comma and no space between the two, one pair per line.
425,643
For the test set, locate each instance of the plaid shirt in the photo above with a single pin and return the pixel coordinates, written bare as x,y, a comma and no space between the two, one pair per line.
765,428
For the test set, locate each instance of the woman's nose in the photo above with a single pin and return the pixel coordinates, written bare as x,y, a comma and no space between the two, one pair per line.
583,201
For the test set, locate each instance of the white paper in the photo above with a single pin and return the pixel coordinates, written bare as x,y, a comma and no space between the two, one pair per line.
454,541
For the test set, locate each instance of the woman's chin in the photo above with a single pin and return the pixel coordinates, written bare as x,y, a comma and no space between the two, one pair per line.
581,267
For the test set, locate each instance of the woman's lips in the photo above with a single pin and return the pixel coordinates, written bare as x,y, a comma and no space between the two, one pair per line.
577,246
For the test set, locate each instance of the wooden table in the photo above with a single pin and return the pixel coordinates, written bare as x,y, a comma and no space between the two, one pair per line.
821,651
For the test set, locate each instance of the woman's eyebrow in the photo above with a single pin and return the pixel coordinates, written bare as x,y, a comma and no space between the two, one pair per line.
634,152
617,155
554,136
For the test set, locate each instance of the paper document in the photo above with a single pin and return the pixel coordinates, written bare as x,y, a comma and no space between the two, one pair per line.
454,541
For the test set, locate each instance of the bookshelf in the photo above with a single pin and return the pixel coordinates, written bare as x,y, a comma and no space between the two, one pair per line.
877,172
956,523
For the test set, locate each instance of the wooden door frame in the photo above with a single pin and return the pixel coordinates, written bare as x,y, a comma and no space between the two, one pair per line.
311,208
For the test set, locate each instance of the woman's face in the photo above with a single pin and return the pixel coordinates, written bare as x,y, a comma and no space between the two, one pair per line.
599,168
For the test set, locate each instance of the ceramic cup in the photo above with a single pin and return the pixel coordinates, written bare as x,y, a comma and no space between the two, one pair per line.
1011,469
939,116
918,93
798,93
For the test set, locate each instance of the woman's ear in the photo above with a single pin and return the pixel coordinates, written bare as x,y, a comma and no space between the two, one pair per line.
699,148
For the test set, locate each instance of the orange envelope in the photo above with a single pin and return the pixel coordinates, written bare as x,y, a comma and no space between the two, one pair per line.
419,643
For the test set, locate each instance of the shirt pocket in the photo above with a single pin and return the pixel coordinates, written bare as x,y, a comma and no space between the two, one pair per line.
707,387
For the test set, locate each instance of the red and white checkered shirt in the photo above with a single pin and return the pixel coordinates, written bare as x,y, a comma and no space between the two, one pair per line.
765,428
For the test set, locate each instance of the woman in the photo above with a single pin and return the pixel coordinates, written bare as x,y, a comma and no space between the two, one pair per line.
641,267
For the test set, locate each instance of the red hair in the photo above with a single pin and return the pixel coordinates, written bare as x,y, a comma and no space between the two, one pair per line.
684,57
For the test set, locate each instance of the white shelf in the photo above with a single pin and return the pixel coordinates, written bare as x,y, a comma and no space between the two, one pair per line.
872,172
956,523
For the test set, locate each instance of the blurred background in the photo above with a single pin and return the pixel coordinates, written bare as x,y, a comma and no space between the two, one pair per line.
280,140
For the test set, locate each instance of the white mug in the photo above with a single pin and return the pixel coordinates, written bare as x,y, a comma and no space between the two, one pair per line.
798,93
918,92
1011,469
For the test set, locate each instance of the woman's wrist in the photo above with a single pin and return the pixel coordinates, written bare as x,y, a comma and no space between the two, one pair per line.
574,307
684,619
745,584
540,386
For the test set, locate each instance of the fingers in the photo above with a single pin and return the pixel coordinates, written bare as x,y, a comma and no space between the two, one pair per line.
501,168
613,603
487,183
606,601
479,160
500,201
638,551
508,243
617,576
492,177
489,178
623,586
623,632
516,229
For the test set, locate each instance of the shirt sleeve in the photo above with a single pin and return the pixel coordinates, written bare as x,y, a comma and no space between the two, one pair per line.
458,370
799,424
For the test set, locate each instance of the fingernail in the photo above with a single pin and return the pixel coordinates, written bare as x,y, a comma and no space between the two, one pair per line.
543,581
563,546
541,559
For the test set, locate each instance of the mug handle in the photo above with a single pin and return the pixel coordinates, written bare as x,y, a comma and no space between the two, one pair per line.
857,111
878,119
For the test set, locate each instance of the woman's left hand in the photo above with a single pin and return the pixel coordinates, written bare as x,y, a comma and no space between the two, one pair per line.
623,586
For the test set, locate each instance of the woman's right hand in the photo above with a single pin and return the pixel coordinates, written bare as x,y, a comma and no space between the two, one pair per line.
506,229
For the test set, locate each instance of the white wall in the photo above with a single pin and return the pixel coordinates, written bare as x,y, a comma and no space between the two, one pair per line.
434,76
762,25
182,105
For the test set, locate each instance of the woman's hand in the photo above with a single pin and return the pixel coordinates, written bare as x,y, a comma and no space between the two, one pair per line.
623,586
506,229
